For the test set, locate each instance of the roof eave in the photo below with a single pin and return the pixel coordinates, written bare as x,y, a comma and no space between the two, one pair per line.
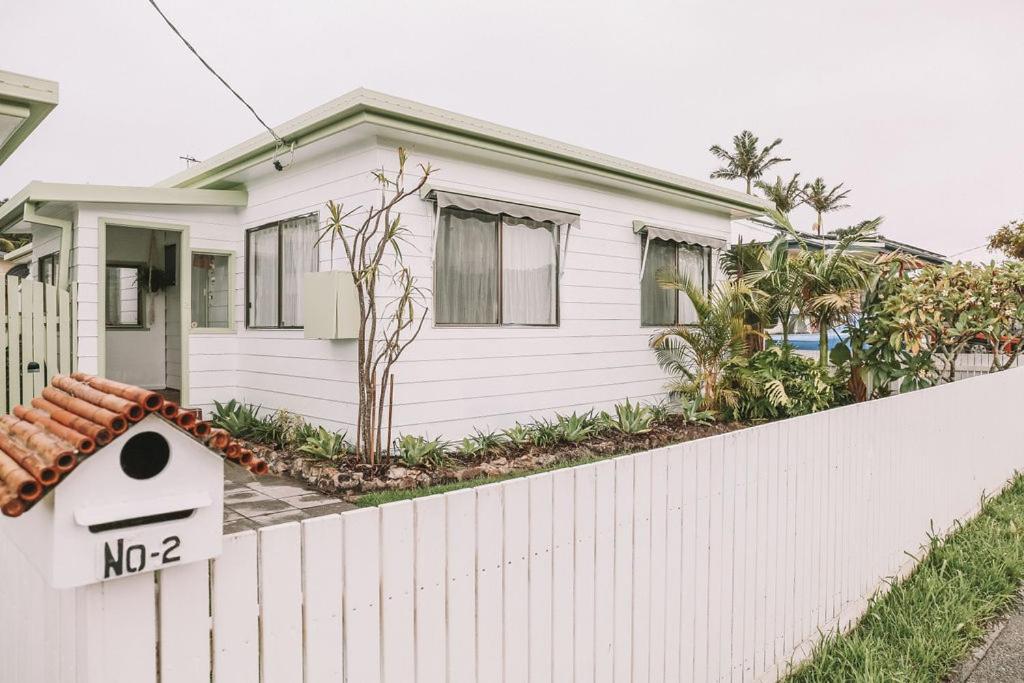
38,95
38,192
368,107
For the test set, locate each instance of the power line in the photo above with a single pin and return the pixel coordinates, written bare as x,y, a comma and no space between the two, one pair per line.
214,72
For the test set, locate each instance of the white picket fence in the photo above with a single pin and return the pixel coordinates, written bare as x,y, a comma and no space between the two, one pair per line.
36,339
974,364
716,560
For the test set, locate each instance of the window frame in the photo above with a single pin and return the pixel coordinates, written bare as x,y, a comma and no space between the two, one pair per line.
706,285
248,252
500,276
53,258
232,286
141,324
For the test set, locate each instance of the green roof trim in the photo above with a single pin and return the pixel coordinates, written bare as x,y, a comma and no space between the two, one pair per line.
366,106
27,99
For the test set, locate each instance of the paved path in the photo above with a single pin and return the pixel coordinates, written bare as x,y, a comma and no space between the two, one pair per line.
251,502
1002,661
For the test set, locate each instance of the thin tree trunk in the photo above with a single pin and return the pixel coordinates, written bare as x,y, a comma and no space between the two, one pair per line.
823,344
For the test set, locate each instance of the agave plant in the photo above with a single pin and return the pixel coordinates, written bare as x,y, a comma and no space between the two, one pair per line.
545,432
416,450
517,435
575,428
238,419
630,418
325,444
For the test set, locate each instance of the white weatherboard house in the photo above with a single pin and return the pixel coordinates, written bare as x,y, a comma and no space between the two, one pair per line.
540,257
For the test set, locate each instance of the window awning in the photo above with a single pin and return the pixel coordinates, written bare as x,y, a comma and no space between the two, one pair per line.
672,235
498,206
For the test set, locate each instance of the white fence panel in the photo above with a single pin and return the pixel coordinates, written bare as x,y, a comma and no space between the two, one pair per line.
720,559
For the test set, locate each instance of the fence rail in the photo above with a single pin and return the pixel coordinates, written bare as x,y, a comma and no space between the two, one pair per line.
716,560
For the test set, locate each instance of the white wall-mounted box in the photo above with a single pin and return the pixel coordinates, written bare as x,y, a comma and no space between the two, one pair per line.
330,305
127,509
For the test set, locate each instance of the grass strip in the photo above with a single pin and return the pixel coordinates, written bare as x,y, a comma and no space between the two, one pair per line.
929,622
382,497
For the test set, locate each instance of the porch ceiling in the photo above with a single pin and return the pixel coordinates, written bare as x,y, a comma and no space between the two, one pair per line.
24,103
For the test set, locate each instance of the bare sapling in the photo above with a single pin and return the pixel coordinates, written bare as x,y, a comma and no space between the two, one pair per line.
391,318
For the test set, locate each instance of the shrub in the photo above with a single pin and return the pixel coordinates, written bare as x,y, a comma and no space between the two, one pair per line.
416,450
325,444
240,420
778,383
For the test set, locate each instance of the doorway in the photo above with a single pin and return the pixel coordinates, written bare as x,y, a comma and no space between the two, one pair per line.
143,297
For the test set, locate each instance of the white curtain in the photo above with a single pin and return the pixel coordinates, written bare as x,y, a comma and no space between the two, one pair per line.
263,277
466,268
529,272
209,290
692,265
657,304
299,256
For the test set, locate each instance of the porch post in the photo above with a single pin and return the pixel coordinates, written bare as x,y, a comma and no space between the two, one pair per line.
64,266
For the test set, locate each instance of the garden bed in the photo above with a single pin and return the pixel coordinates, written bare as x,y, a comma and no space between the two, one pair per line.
349,478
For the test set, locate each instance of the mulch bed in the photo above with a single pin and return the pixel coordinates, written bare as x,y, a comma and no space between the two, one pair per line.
349,478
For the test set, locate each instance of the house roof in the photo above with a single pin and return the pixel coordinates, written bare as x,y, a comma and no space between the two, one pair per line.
879,243
24,103
367,106
76,416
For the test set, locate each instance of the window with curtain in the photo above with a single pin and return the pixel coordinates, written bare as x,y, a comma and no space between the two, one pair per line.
495,270
123,296
278,256
659,306
211,296
48,268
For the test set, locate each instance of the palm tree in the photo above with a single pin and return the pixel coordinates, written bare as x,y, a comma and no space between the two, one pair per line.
823,199
765,268
746,160
785,196
699,355
829,282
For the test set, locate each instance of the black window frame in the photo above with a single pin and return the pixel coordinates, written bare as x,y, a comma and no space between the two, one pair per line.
705,286
53,258
280,270
140,324
500,284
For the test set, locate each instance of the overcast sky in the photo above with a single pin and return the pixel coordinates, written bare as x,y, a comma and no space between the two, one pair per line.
916,106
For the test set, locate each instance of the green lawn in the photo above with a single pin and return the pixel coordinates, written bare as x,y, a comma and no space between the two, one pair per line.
382,497
929,622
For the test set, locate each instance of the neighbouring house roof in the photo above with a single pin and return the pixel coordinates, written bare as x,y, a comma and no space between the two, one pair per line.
76,416
879,244
24,103
39,193
367,106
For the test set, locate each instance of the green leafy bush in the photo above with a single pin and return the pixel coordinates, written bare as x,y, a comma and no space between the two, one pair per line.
416,450
630,418
240,420
777,383
325,444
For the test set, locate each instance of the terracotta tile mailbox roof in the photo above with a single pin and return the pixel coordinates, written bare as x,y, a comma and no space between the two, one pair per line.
76,416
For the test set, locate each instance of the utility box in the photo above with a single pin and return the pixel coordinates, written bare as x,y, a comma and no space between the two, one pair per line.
330,306
150,499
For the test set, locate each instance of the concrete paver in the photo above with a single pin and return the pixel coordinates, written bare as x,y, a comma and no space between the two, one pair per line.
251,502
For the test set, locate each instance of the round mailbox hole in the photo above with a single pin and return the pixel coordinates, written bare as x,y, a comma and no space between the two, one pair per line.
145,455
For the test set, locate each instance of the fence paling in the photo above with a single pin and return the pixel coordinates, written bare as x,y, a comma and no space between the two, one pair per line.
36,328
721,558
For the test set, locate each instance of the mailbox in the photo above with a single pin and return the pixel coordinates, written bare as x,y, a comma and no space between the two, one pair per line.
148,498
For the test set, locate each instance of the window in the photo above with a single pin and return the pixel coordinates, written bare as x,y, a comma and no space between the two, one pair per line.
660,306
124,296
211,291
48,268
495,270
277,257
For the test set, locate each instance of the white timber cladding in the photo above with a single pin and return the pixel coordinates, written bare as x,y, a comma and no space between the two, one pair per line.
724,558
453,379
